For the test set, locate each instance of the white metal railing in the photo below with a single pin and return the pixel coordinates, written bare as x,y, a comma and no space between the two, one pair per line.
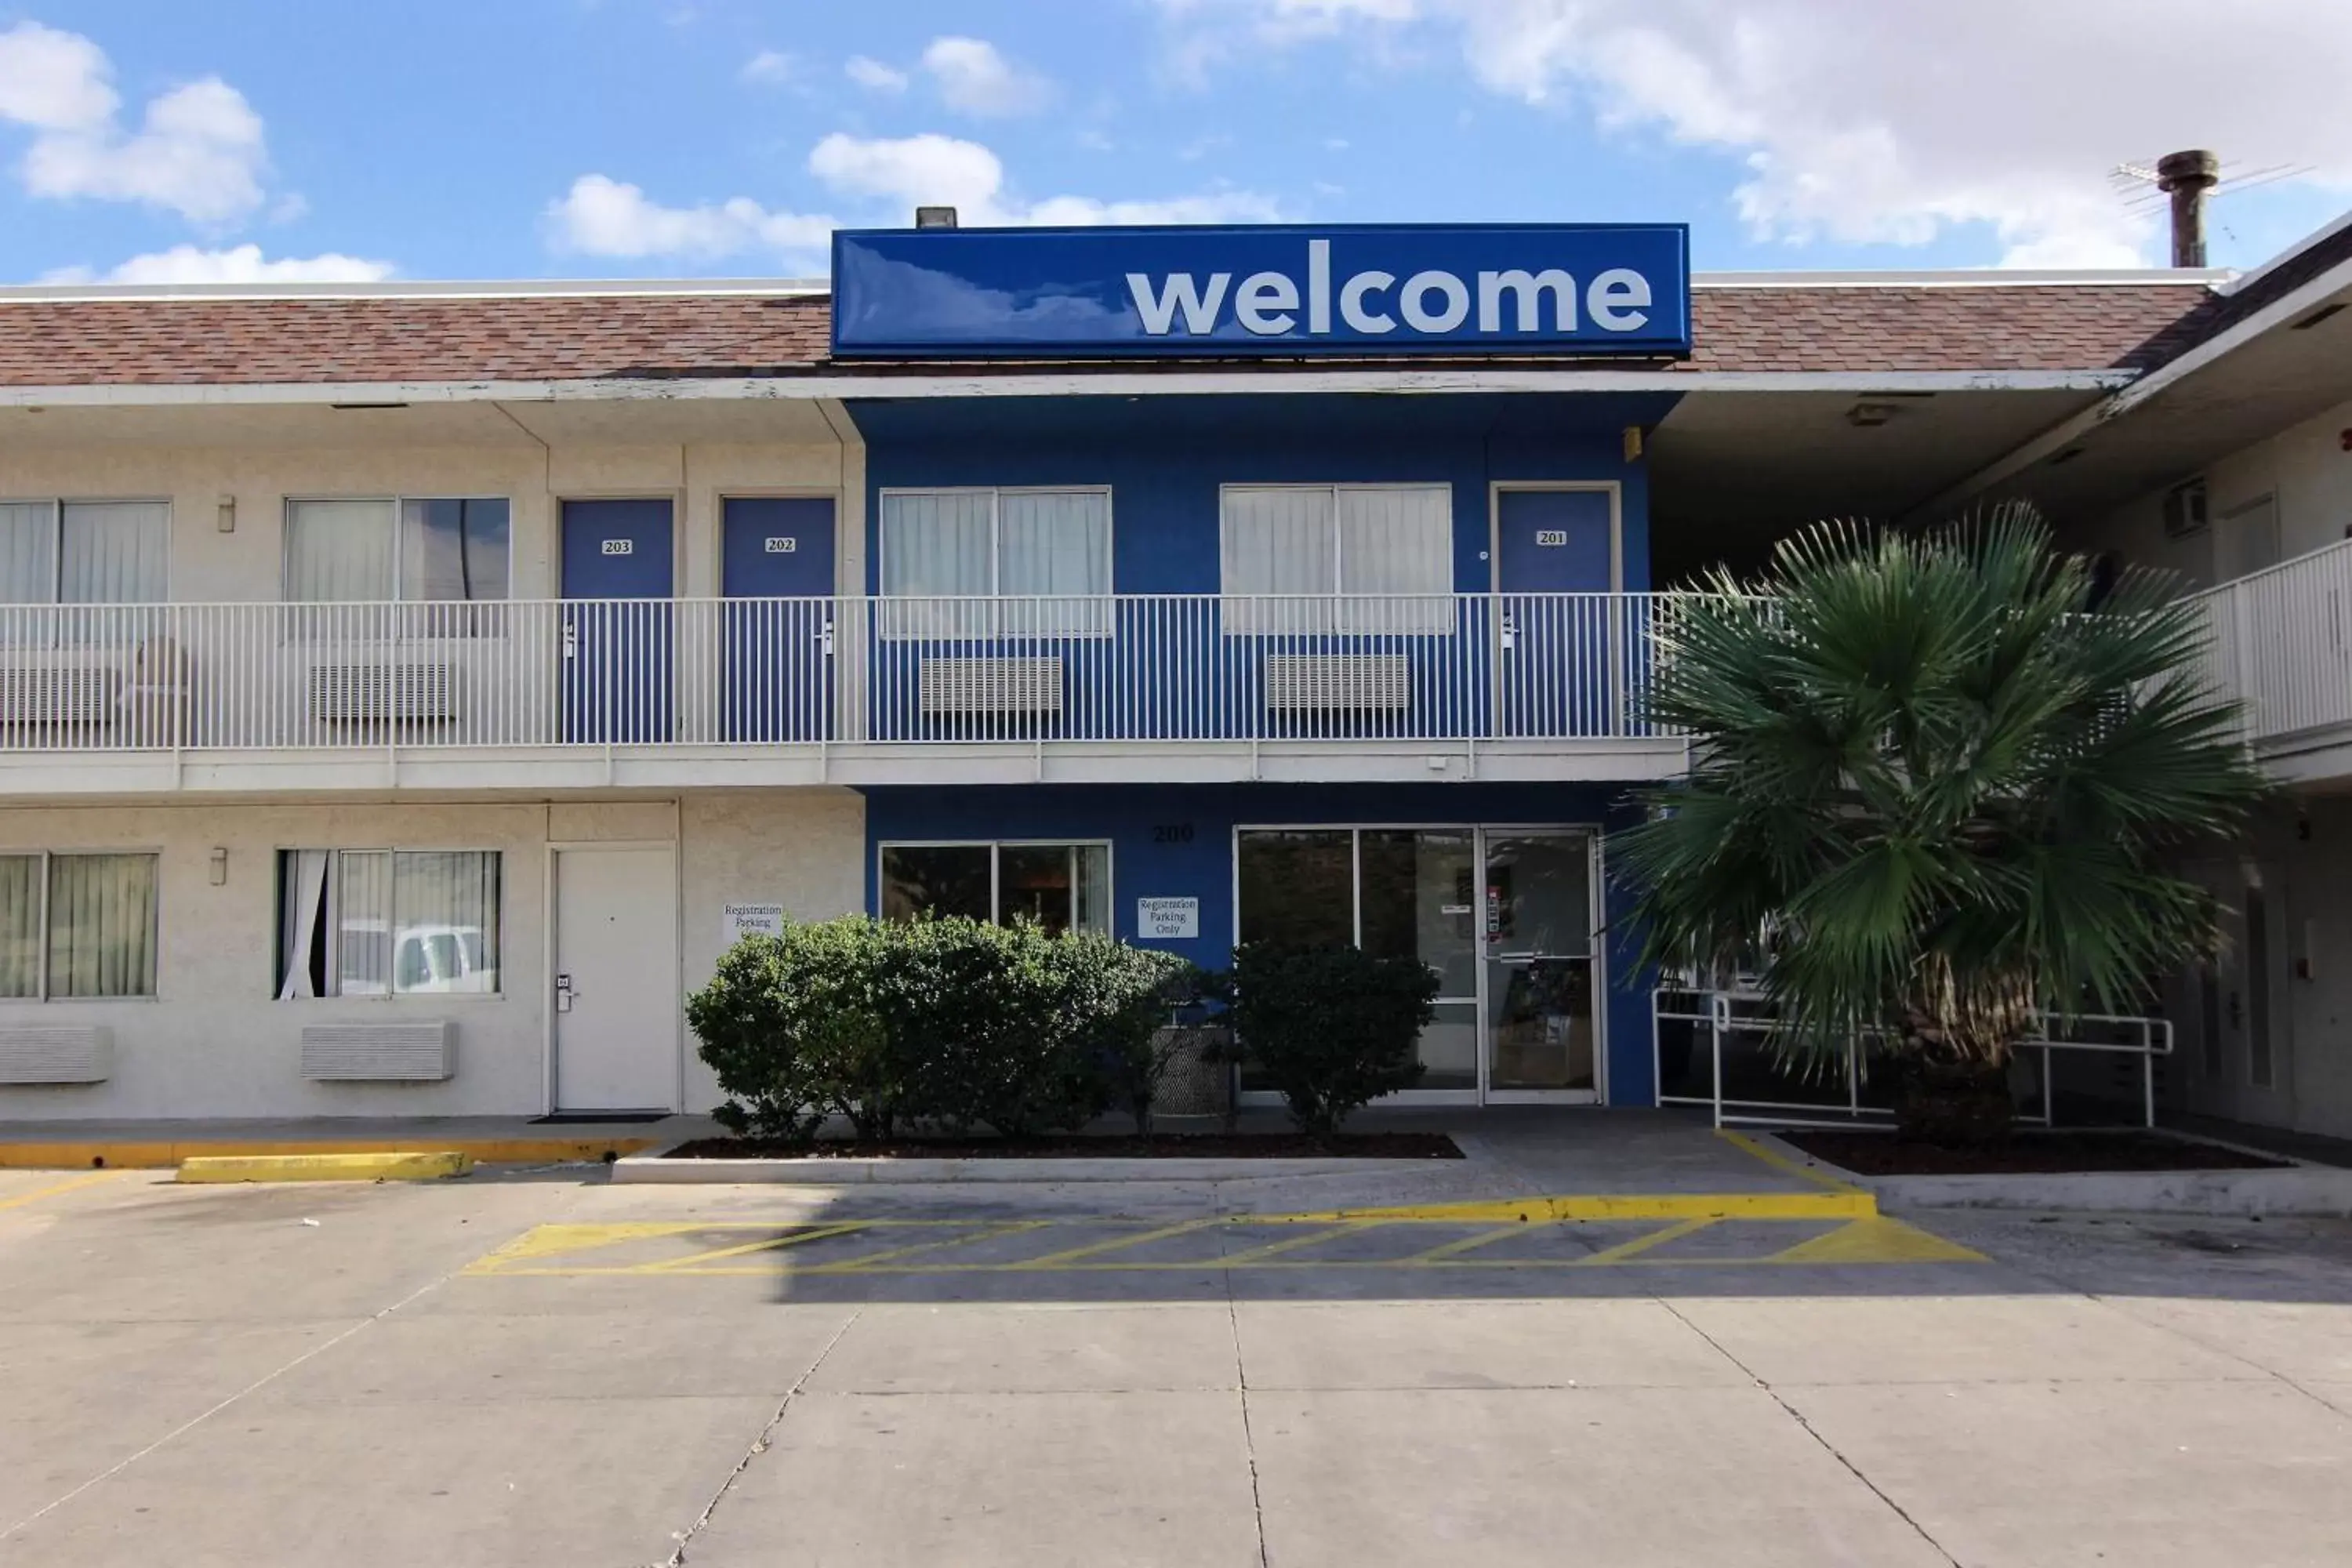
2281,643
649,672
1729,1022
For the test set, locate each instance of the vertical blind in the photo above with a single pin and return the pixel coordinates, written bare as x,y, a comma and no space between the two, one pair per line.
83,553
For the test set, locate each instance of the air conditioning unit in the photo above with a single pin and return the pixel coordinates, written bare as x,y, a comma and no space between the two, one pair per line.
56,1053
37,691
991,685
380,692
1338,682
2185,510
418,1051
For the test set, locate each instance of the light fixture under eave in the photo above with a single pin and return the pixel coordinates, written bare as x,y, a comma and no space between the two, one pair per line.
2068,455
2316,317
353,407
1869,415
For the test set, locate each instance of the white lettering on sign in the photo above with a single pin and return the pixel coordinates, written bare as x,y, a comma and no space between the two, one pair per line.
620,547
782,544
1167,919
1549,537
740,921
1434,302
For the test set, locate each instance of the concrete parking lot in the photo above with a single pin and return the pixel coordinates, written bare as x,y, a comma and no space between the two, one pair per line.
538,1368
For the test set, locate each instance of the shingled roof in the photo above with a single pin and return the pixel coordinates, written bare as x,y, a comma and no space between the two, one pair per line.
1894,326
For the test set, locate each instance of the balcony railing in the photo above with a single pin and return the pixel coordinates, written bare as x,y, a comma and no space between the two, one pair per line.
2281,644
816,672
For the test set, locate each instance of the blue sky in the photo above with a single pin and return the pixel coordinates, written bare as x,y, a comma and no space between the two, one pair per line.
526,138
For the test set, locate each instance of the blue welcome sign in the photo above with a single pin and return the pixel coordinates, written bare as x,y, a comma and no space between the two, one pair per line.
1274,292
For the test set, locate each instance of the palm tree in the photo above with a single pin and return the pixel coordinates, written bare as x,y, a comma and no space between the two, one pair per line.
1948,777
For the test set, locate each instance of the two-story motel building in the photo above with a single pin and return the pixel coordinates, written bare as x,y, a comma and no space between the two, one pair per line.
407,690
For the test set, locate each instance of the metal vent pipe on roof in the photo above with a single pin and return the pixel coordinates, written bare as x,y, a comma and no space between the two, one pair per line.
2186,177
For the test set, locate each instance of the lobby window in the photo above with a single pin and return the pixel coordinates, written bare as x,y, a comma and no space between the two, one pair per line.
387,922
83,553
415,551
1062,886
77,926
1338,558
1042,555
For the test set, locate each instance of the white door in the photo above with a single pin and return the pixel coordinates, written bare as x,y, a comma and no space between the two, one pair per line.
617,997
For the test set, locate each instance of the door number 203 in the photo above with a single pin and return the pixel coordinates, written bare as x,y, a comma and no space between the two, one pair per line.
620,547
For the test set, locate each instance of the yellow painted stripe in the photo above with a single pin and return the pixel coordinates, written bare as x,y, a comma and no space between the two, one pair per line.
1641,1244
56,1189
1665,1206
1275,1249
742,1250
1878,1241
1062,1259
856,1265
1783,1163
141,1154
420,1166
1468,1244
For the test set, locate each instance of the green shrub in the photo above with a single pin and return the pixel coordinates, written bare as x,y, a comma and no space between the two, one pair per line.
947,1023
1332,1029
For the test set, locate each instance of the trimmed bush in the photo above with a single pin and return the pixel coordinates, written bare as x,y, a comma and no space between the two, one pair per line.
1332,1029
944,1023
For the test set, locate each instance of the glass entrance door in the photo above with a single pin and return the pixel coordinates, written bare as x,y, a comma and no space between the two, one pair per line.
1542,1041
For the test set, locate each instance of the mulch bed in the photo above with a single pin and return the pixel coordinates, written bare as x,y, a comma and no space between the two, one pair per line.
1167,1146
1883,1154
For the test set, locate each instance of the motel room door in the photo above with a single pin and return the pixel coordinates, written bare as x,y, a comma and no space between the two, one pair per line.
1557,673
616,987
1542,963
617,622
776,571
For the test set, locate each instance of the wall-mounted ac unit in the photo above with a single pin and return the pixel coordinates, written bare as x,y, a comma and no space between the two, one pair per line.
409,690
423,1050
1338,682
38,691
2185,510
56,1053
991,685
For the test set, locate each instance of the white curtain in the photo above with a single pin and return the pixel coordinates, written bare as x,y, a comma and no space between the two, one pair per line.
113,553
1397,540
28,560
20,925
362,921
937,543
338,551
1279,540
1055,544
302,895
447,938
102,925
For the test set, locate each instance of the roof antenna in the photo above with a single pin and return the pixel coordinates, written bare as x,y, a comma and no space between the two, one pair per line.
2186,180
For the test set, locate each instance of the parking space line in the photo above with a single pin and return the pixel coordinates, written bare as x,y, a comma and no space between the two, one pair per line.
1453,1250
768,1244
58,1189
890,1255
1062,1259
1641,1244
1783,1163
1272,1249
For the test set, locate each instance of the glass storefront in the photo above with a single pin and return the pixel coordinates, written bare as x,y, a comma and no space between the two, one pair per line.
1504,917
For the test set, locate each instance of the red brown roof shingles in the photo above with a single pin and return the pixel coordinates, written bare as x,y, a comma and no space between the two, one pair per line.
1865,328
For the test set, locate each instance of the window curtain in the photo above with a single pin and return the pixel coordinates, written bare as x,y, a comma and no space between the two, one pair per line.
303,900
113,553
102,925
1054,545
938,544
1396,541
338,551
453,550
446,939
361,920
1093,864
20,925
28,538
1278,539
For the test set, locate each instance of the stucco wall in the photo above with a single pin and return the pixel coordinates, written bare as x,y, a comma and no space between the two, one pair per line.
214,1042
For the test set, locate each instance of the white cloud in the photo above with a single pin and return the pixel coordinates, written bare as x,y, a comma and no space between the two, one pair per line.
873,75
198,151
773,66
934,169
238,264
1863,121
974,78
603,216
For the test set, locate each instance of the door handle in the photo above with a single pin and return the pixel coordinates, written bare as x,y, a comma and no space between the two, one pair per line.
824,638
571,638
1510,632
564,995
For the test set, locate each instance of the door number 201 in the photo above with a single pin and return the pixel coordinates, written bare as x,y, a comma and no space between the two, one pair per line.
1552,538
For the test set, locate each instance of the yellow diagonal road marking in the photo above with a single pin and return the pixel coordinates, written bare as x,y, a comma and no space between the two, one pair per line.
57,1189
1661,1206
1466,1244
1275,1248
891,1255
1094,1249
1877,1240
767,1244
553,1240
1783,1163
1642,1244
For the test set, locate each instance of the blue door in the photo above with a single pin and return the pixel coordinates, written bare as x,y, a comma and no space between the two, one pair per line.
776,570
618,631
1561,672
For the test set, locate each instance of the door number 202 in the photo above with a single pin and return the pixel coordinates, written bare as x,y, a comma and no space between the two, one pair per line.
1552,538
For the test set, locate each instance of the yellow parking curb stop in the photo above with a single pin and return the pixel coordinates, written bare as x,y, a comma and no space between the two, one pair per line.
407,1166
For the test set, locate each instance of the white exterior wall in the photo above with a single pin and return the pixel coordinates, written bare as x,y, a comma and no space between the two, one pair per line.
2305,468
214,1042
